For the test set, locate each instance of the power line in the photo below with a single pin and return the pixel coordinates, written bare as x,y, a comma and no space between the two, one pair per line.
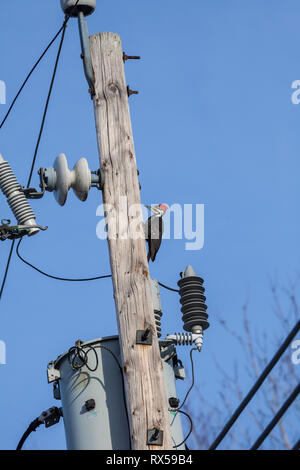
193,380
7,267
63,30
67,17
47,103
190,431
56,277
95,278
276,418
169,288
29,75
255,387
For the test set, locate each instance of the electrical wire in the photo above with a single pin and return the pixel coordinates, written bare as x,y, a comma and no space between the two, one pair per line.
191,427
36,64
276,418
105,276
49,418
47,103
76,352
29,75
62,29
31,428
56,277
256,386
168,288
7,267
193,380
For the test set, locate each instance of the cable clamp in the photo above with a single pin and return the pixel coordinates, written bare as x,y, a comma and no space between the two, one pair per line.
32,193
12,232
50,416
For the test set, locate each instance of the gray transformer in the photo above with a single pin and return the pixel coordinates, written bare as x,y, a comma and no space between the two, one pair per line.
93,398
87,7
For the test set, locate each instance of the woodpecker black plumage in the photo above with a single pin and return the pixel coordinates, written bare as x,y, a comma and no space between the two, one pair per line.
154,228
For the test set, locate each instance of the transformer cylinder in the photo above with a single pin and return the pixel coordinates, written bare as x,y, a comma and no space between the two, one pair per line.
104,426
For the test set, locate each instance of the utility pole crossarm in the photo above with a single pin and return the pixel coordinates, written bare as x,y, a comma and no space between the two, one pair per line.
142,365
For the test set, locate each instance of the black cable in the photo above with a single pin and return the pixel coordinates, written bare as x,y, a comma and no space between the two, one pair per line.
77,352
36,64
7,267
29,75
169,288
49,418
256,386
31,428
47,102
63,30
193,380
191,428
276,418
296,446
56,277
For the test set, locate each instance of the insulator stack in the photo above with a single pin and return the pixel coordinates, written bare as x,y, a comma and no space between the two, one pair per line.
15,197
183,339
192,299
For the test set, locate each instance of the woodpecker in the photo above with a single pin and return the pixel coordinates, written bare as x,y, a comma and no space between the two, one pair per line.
154,228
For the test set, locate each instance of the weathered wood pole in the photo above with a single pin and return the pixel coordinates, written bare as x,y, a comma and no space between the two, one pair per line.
142,366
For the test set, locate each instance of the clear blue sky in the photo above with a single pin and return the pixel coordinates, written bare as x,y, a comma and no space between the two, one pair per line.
213,124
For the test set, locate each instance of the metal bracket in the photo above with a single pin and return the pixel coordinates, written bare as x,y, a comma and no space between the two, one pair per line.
86,53
144,337
155,437
56,390
12,232
167,350
52,373
51,416
32,193
97,179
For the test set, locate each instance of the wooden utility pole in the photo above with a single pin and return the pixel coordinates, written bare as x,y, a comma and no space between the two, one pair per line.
142,365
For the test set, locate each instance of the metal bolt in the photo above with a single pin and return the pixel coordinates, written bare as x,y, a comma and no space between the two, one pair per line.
146,334
130,57
131,92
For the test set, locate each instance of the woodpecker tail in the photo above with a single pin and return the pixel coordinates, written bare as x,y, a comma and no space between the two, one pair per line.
148,256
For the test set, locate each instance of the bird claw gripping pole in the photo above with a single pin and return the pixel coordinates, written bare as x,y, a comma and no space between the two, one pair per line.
19,205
